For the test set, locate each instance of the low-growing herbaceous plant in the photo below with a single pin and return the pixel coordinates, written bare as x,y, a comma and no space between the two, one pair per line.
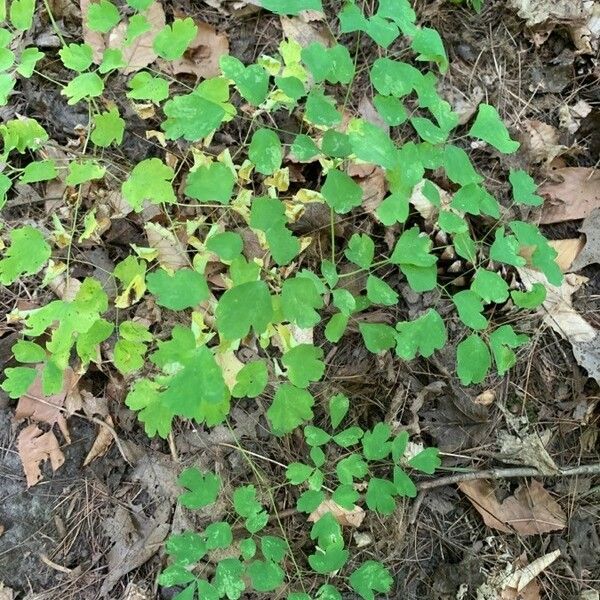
289,308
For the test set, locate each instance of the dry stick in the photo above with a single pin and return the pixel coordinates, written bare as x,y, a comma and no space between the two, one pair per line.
508,473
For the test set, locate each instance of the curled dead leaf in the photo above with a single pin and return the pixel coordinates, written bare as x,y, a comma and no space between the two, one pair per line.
568,251
591,252
35,447
101,444
171,250
346,518
301,30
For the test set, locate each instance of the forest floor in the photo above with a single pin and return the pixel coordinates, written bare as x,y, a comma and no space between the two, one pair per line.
94,526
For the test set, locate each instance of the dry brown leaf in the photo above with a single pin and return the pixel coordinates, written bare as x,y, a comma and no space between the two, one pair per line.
575,195
6,593
591,252
230,365
305,32
374,187
570,116
586,37
46,409
35,447
524,576
568,251
171,251
202,56
540,141
368,112
346,518
140,53
101,444
529,450
530,511
536,12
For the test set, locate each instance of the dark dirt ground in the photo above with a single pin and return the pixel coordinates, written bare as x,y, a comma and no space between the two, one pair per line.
59,536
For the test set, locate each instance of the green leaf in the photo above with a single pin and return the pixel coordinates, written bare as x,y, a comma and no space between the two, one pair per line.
145,86
137,26
490,286
304,363
473,360
291,7
251,380
328,592
360,250
310,500
393,78
421,336
404,485
229,578
459,167
247,548
112,59
378,337
475,200
488,126
40,170
7,59
348,437
315,436
86,85
21,14
376,444
429,46
252,82
28,61
22,134
372,144
186,548
173,40
218,535
227,245
304,148
399,445
265,576
202,488
290,408
341,192
413,248
268,215
7,83
191,117
183,289
150,180
531,299
524,188
28,352
291,87
236,316
265,151
469,307
320,109
27,254
379,292
247,506
18,380
109,127
102,16
350,468
84,171
465,246
380,496
426,461
299,299
139,4
338,409
505,248
371,576
328,561
297,473
390,109
273,548
336,144
335,328
502,342
346,496
333,64
130,349
212,183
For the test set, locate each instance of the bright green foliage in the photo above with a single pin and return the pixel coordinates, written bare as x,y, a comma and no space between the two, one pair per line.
290,7
28,61
202,488
137,26
320,109
144,86
502,342
41,170
371,577
18,380
378,337
488,126
426,461
473,360
338,408
341,192
268,215
429,46
490,286
334,65
412,254
375,443
77,57
475,200
390,109
236,315
304,148
506,249
84,171
109,128
470,306
265,151
191,117
111,59
379,292
304,364
86,85
530,299
524,188
183,289
360,250
380,496
371,144
173,40
150,180
299,301
247,506
251,380
22,134
227,245
102,16
21,14
421,336
212,183
131,347
290,408
328,535
27,254
252,82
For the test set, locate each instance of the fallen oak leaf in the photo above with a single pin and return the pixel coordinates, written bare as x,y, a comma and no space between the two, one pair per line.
568,251
101,444
34,447
591,251
530,511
